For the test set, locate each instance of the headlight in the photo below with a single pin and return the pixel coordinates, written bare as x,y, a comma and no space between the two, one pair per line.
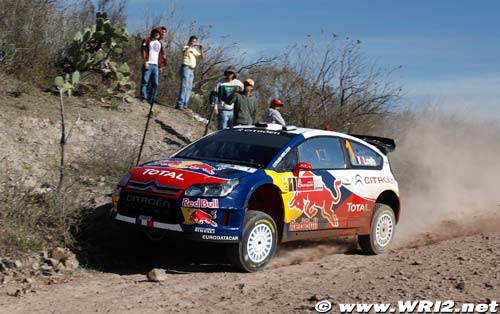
124,180
212,190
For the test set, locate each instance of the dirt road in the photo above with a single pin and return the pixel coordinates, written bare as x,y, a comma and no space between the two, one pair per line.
462,269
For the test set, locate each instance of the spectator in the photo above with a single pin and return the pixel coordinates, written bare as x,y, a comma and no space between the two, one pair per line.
245,104
223,89
190,54
273,115
154,58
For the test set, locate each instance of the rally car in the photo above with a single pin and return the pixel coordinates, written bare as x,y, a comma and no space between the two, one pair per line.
251,187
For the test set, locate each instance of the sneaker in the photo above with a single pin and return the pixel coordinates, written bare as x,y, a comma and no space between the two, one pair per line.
179,107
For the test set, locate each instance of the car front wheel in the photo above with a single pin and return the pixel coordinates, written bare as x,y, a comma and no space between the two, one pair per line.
382,229
258,243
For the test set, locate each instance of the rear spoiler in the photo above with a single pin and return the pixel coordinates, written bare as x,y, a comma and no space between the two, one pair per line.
385,145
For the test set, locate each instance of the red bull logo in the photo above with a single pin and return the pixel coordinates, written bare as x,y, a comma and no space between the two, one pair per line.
192,165
200,217
310,202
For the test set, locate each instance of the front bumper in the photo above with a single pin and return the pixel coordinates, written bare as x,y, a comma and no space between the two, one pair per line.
205,233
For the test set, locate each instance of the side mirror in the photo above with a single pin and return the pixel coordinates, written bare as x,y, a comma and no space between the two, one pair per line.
302,166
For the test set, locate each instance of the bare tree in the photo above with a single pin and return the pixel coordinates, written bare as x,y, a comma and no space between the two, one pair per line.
333,83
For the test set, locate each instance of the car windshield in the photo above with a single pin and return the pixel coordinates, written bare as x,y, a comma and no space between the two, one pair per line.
249,147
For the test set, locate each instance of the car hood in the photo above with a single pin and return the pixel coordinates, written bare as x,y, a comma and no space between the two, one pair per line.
181,173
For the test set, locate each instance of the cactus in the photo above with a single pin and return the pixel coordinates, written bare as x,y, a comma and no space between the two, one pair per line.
94,49
68,83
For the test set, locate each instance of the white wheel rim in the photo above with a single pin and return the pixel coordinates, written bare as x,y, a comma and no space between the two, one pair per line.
384,230
260,242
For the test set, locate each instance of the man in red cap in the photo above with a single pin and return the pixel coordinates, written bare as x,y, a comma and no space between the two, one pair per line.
273,115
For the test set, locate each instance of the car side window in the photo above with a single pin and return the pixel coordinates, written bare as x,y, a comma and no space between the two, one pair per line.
288,162
322,153
361,155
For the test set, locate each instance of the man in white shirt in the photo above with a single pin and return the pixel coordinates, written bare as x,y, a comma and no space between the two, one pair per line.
153,63
222,90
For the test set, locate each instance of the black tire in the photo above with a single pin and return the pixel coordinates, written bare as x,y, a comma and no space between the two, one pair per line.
259,231
382,229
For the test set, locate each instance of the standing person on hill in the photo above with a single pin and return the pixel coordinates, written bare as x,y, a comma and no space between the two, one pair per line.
273,115
154,58
245,104
190,54
223,89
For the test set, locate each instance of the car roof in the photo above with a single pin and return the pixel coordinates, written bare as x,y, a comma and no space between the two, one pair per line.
306,132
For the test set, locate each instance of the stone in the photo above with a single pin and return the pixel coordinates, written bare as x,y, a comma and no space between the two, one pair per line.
59,253
52,262
3,267
157,275
71,263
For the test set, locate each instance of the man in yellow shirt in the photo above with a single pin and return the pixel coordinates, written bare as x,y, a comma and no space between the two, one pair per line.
186,72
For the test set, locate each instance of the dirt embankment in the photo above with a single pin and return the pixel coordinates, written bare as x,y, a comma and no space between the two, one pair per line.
447,241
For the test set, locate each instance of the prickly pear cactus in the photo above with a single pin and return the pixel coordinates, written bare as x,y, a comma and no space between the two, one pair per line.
68,83
97,49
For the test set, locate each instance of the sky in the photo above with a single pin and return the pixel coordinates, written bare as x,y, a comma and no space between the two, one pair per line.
449,50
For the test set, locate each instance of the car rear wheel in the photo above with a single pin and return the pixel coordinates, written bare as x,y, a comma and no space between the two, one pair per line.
258,243
382,229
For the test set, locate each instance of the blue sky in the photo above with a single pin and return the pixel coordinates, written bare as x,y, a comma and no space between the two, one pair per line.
449,50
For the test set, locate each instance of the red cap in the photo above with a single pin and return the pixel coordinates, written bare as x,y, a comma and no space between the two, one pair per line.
277,102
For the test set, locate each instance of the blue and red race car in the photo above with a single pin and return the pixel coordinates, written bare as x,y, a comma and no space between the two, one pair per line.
251,187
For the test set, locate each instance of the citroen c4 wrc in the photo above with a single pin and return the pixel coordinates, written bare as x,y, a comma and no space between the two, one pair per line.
252,187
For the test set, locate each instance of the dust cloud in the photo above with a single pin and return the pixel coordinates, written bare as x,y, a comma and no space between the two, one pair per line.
448,168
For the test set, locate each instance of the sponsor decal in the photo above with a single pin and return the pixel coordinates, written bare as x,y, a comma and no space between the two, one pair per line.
192,165
358,179
314,183
145,221
352,208
259,131
304,224
200,217
163,173
379,180
275,164
219,237
266,222
305,183
148,201
310,202
204,230
200,203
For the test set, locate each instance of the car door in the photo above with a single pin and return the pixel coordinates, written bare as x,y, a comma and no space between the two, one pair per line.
361,179
316,194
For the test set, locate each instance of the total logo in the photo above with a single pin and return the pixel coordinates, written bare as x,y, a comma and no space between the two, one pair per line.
200,203
353,208
163,173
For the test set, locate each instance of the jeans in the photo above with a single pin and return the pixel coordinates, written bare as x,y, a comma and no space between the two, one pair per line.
187,76
225,119
150,77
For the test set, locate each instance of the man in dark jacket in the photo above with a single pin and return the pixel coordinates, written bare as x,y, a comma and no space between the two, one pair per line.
245,104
